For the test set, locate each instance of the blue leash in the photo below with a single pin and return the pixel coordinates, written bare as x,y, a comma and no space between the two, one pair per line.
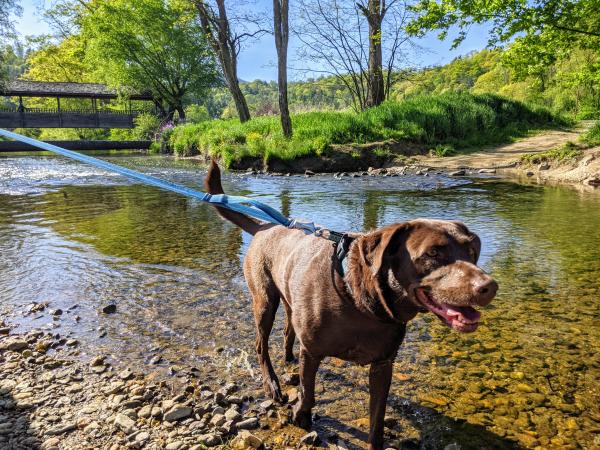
243,205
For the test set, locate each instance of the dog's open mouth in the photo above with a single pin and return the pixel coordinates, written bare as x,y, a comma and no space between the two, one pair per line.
462,318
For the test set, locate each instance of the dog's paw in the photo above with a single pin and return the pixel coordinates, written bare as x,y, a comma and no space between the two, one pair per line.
300,418
273,391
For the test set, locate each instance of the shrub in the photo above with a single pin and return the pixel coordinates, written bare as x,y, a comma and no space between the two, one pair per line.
592,136
563,153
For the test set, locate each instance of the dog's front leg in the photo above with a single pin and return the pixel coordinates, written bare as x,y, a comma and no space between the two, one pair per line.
308,371
380,377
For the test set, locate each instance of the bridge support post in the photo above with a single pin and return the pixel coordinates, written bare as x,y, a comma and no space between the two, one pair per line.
60,118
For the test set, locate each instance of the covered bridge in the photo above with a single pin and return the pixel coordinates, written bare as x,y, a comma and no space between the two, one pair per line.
19,116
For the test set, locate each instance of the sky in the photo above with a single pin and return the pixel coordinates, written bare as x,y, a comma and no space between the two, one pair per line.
258,59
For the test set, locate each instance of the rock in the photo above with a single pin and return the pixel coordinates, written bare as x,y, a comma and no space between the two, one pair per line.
530,174
458,173
126,374
248,424
124,423
267,404
232,414
292,395
145,411
453,446
592,181
109,309
486,171
218,420
176,445
178,412
4,331
156,412
245,439
50,443
309,173
523,387
291,379
16,345
544,166
62,429
210,439
97,361
142,437
587,160
311,438
156,359
56,312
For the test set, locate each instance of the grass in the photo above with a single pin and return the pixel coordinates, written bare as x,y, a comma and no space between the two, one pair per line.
566,152
592,136
451,120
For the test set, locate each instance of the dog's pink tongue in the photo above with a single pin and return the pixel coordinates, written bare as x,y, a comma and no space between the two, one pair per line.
465,313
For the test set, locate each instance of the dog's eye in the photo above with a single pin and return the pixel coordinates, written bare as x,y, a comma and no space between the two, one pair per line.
432,252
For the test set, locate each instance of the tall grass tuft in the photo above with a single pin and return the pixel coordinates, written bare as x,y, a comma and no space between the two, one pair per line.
459,120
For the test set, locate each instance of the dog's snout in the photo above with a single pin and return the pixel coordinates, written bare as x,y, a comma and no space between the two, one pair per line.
485,290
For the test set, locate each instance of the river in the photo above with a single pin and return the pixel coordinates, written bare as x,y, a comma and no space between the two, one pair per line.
80,238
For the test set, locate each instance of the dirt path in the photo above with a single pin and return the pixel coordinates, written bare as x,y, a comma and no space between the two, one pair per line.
505,160
506,155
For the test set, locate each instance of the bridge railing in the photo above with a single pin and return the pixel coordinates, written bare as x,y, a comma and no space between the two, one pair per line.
12,117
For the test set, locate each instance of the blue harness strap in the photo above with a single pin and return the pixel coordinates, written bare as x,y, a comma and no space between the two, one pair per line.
243,205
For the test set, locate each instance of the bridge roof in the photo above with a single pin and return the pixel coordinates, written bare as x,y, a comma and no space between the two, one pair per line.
25,88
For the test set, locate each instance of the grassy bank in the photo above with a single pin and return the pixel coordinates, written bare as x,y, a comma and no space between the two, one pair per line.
459,120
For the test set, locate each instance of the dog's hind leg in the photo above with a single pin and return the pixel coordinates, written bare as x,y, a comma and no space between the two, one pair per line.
289,334
265,302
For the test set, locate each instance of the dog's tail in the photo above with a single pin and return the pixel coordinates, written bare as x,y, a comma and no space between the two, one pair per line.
212,184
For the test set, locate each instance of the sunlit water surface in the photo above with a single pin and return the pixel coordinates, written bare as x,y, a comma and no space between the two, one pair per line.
74,235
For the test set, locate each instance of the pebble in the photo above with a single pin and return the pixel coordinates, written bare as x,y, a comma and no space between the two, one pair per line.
248,424
125,423
16,345
245,439
109,309
62,429
145,411
210,439
178,412
458,173
176,445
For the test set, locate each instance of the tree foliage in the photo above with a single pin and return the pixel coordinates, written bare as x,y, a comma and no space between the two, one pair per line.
149,45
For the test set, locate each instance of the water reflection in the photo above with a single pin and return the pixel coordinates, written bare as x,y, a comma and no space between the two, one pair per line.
528,377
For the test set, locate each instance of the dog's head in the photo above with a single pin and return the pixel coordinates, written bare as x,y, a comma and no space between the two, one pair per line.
430,263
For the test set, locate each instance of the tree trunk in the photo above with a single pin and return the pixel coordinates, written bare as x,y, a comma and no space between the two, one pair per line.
375,82
218,32
181,113
280,20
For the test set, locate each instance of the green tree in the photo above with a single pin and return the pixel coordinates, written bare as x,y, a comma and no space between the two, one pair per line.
543,30
149,45
8,9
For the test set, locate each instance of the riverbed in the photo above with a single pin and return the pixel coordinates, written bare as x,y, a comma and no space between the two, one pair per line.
75,235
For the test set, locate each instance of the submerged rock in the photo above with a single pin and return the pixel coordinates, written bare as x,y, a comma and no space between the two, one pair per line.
109,309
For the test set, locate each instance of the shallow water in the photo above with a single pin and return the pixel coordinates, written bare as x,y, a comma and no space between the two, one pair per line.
74,235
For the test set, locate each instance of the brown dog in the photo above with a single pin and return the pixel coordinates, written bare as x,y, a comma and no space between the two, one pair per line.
392,274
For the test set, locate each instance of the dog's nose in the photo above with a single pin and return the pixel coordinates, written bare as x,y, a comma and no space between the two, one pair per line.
485,290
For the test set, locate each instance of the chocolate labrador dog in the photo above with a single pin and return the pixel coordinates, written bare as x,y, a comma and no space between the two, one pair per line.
358,313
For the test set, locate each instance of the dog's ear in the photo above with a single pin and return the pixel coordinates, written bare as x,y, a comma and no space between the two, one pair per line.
476,246
373,249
